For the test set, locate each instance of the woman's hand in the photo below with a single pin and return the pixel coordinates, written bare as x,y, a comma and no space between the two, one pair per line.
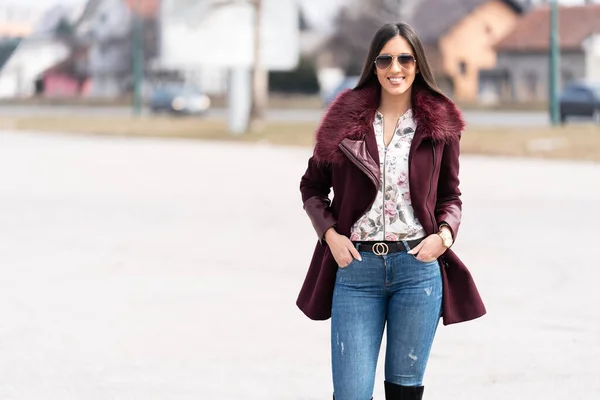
341,247
429,249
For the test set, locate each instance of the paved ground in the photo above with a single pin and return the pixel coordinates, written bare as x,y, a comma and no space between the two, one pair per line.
148,269
473,117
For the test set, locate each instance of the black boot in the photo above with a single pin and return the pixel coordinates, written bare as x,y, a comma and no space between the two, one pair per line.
398,392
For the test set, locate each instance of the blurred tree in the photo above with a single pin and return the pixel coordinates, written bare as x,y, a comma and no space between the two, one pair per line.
64,28
354,28
65,32
301,80
303,24
74,63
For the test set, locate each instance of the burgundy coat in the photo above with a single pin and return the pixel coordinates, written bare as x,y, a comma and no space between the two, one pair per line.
346,159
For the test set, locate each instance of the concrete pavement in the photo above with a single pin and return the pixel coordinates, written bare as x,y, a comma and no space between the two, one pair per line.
154,269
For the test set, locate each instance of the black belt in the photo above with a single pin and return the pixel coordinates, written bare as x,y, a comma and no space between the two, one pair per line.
383,248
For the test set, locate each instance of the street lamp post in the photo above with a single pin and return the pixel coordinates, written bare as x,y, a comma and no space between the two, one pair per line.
260,77
554,64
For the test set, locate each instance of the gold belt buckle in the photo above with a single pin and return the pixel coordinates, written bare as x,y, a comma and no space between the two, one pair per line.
381,249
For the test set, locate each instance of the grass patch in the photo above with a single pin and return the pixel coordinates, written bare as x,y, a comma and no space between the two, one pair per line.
576,142
573,142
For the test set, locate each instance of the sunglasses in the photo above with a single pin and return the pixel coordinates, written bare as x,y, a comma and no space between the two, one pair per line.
384,61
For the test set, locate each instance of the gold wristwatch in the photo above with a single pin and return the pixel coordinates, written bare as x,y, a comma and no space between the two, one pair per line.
446,236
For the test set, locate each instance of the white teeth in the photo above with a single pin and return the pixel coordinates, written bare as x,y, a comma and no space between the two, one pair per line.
396,80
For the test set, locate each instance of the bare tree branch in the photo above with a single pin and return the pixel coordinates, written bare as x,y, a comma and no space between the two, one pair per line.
355,28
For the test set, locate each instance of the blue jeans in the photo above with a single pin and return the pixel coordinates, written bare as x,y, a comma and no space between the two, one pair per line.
396,289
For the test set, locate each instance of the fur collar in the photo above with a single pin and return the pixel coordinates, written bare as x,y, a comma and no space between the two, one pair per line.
352,113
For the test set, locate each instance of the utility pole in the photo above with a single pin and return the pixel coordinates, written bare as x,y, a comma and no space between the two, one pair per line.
260,77
554,57
138,58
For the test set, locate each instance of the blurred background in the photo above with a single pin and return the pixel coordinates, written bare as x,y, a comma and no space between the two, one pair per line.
152,237
191,57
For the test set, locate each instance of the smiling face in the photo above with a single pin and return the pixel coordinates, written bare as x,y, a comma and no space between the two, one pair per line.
397,80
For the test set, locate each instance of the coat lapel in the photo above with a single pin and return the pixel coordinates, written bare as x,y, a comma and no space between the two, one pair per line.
346,131
359,153
371,144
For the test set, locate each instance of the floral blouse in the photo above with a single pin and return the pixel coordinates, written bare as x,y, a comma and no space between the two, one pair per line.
391,217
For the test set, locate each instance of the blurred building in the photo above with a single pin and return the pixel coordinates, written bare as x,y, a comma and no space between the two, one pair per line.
108,28
523,63
212,42
16,22
28,46
460,36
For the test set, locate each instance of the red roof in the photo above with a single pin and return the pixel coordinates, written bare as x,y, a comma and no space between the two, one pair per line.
148,8
531,33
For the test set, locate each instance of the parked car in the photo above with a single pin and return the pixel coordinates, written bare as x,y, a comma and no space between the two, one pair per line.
581,99
179,98
348,82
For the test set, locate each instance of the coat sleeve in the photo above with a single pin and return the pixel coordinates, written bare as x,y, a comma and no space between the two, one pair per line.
315,187
449,205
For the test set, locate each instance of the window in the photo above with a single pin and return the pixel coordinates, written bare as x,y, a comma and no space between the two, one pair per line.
532,83
566,76
462,68
577,94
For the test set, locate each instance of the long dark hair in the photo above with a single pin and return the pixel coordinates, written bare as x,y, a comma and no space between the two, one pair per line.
388,31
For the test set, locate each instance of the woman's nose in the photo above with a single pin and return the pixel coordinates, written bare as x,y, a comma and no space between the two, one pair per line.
395,65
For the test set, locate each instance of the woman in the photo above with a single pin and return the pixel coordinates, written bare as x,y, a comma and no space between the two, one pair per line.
390,150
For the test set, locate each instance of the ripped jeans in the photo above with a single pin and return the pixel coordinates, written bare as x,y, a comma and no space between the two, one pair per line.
396,289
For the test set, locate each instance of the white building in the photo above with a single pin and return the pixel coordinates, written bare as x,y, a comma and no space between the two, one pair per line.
38,49
208,43
33,56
